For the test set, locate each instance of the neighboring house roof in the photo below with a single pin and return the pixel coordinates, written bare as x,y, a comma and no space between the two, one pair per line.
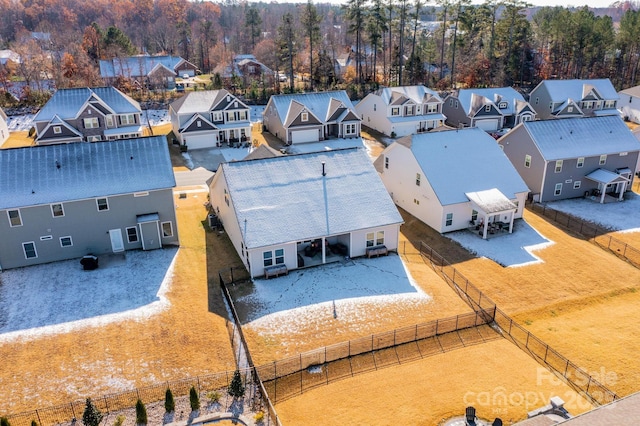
457,162
67,103
263,151
229,70
495,95
66,172
632,91
284,199
398,95
138,66
319,104
561,90
3,116
9,55
581,137
201,101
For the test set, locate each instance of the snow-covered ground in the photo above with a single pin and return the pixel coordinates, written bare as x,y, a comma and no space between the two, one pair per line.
61,296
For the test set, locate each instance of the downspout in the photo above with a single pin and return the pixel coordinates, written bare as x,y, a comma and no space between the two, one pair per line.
544,178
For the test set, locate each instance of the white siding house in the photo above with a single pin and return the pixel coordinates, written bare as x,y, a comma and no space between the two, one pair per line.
4,128
453,179
302,210
629,104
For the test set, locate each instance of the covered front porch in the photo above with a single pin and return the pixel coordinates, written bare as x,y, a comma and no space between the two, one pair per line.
493,213
610,184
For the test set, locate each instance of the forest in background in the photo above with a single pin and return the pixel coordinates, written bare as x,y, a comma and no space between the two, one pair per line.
442,44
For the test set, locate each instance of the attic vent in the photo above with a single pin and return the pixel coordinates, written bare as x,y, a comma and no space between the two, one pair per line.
89,111
228,98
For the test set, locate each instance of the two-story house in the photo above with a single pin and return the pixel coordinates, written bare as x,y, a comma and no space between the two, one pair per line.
629,104
148,71
247,68
210,118
400,111
573,157
489,109
4,127
574,98
87,114
66,201
311,117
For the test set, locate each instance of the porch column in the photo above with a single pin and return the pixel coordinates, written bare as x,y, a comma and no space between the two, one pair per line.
485,226
513,214
603,193
624,187
324,253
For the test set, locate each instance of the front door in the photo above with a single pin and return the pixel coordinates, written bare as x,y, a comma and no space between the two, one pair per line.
117,243
150,233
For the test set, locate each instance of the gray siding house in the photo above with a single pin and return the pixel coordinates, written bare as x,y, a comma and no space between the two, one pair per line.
87,114
574,157
574,98
488,109
65,201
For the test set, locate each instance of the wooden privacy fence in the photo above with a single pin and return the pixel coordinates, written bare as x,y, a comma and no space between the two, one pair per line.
575,376
590,231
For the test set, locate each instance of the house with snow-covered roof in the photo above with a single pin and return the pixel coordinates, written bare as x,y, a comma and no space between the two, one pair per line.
454,179
247,68
148,71
574,157
490,109
89,115
574,98
210,118
294,211
311,117
400,111
629,104
66,201
4,127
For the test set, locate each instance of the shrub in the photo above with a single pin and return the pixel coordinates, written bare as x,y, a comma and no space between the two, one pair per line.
4,421
91,416
194,399
169,402
236,389
141,413
214,397
119,420
34,423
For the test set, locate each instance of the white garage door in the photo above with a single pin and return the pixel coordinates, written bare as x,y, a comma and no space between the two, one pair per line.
200,141
301,136
488,125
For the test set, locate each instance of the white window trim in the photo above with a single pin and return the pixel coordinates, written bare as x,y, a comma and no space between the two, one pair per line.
448,219
19,217
61,209
580,162
603,159
98,204
70,241
557,191
57,130
35,250
141,194
558,168
135,228
577,184
170,227
527,161
304,117
93,121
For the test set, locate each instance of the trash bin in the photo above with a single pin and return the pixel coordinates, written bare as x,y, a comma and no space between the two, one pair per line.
89,262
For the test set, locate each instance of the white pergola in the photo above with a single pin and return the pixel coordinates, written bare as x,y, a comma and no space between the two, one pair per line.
605,178
489,204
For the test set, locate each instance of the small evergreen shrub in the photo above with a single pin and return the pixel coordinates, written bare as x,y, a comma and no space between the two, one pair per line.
91,416
4,421
194,399
119,420
214,397
236,388
141,413
169,402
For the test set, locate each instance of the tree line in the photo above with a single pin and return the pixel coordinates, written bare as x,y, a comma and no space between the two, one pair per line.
443,44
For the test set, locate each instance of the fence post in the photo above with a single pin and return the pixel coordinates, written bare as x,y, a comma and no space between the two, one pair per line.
566,368
73,411
415,336
436,327
275,383
38,416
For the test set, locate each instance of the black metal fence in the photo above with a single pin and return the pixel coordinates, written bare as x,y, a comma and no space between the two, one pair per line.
590,231
576,377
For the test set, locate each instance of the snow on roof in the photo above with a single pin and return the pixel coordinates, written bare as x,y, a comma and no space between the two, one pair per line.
200,101
631,91
495,95
65,172
581,137
491,201
284,199
136,66
560,90
456,162
416,93
317,103
411,118
3,115
605,176
66,103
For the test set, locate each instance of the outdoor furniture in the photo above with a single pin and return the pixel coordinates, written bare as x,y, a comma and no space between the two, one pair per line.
470,416
89,262
275,270
339,248
376,251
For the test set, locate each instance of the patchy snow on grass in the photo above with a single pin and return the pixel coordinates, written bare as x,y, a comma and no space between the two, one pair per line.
60,297
256,112
326,145
508,250
618,216
155,117
348,291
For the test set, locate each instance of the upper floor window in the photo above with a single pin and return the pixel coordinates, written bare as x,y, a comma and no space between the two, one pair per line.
128,119
527,161
587,104
395,111
570,109
110,121
14,218
558,166
57,130
603,159
410,110
57,210
417,179
580,162
386,162
611,104
102,204
217,116
502,105
432,108
304,116
91,123
487,108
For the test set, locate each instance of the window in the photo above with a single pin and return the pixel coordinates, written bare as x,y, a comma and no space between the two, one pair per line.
57,210
141,194
570,109
527,118
29,250
132,234
558,189
609,104
416,201
167,229
558,166
199,123
379,238
450,102
487,108
527,161
128,119
279,256
587,104
449,219
267,258
502,105
410,110
386,162
456,104
57,130
226,197
474,215
96,138
551,106
395,111
374,105
580,162
109,119
14,218
91,123
103,204
603,159
624,154
217,116
537,100
576,184
432,108
417,179
242,115
66,242
304,116
370,239
350,129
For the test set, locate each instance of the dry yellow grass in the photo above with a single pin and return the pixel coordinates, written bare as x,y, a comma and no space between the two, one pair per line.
188,339
496,377
17,140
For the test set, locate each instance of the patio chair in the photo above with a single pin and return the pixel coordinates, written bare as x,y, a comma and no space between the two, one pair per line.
470,416
497,422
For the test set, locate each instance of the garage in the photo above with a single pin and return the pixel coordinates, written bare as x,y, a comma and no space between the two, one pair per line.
487,125
301,136
199,141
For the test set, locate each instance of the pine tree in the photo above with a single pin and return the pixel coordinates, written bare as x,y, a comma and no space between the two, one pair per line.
141,413
91,416
194,399
169,402
236,389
